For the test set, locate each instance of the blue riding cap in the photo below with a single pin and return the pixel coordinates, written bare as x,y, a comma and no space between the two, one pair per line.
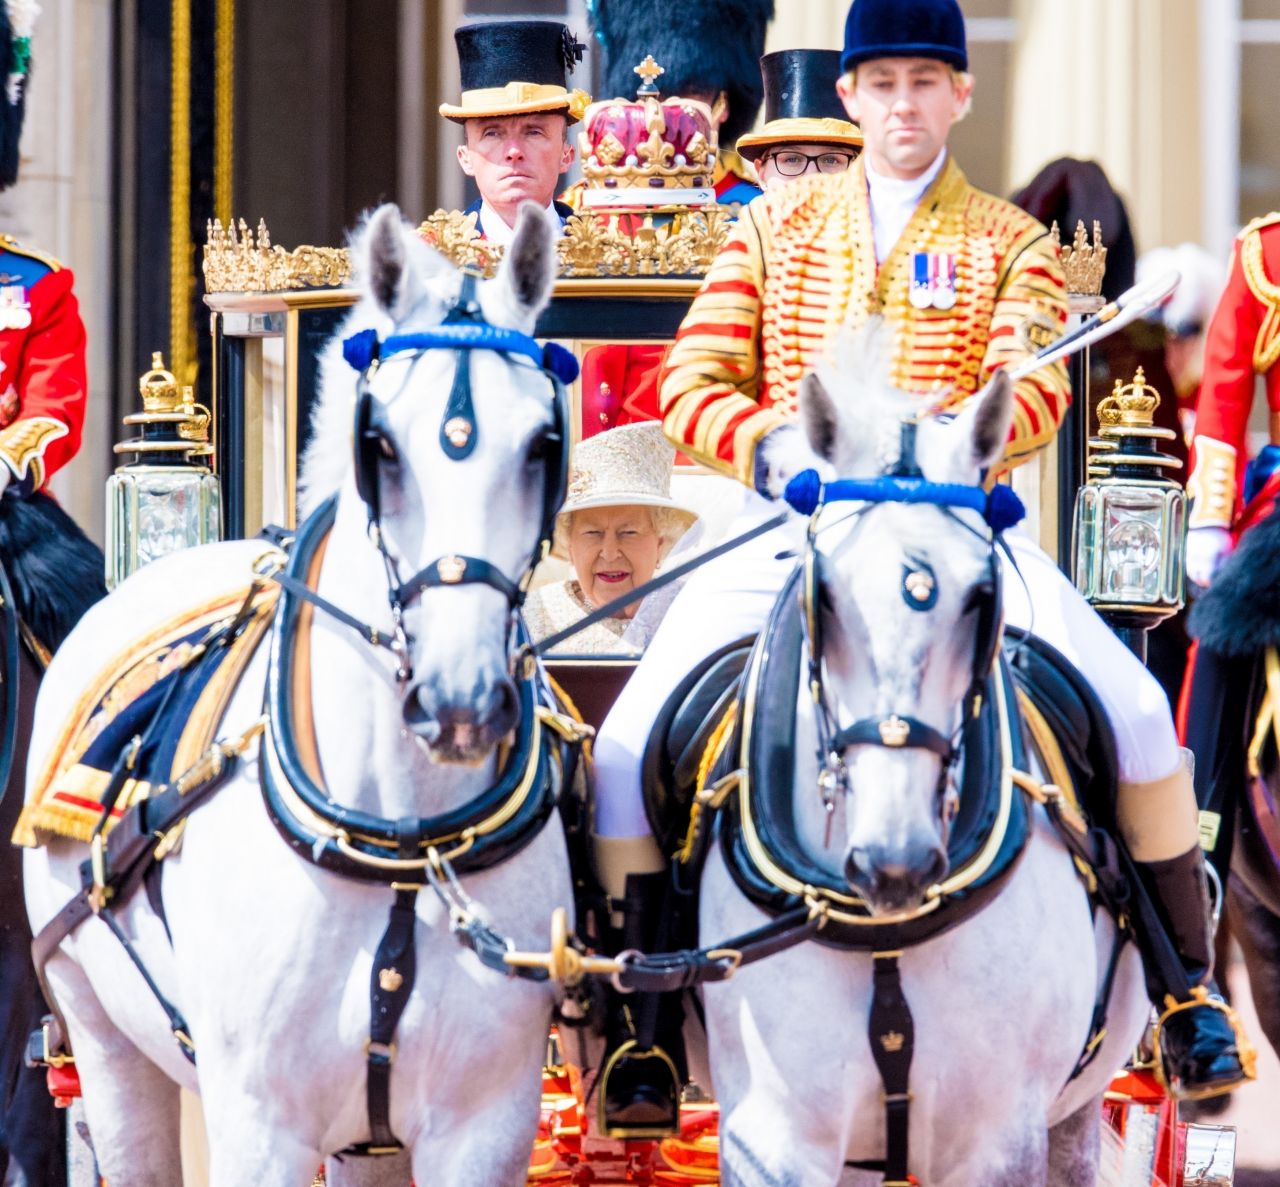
1000,506
904,29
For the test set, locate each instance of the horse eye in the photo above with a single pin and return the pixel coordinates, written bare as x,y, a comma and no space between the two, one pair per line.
539,447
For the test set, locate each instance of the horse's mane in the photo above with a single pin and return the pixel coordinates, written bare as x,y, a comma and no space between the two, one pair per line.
328,455
869,409
1240,613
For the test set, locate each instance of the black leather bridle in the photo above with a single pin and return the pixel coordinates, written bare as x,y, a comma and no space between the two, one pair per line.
463,331
919,590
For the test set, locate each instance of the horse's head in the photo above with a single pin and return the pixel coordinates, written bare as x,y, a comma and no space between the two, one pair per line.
904,601
457,466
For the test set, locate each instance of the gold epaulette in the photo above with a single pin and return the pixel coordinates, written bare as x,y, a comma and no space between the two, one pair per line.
8,243
1266,349
1265,220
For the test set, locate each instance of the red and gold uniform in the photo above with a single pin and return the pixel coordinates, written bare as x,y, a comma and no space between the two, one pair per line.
42,365
1243,342
800,265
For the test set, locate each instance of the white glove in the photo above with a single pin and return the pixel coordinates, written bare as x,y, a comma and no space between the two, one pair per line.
1207,548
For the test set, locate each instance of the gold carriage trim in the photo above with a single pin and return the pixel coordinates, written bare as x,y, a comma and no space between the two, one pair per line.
837,905
23,443
65,799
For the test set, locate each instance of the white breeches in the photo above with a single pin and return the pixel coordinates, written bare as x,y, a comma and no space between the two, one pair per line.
731,597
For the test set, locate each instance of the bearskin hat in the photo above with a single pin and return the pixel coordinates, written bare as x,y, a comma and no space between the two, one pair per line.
17,18
702,45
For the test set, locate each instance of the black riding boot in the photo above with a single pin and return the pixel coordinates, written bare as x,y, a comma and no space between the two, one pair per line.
1200,1046
644,1068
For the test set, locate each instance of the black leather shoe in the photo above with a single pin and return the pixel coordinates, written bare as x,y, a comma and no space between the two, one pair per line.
639,1094
1202,1050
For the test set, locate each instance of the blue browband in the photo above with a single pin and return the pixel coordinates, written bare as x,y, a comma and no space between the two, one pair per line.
361,349
1000,507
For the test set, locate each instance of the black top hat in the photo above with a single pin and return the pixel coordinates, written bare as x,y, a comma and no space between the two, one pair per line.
800,103
513,67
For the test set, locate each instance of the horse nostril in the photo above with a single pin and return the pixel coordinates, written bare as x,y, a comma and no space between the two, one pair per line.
934,868
857,872
419,711
504,710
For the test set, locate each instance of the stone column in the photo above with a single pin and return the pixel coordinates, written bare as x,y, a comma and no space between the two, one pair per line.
813,24
62,205
1116,81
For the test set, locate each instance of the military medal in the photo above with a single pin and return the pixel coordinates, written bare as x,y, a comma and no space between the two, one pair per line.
943,281
921,295
15,309
933,280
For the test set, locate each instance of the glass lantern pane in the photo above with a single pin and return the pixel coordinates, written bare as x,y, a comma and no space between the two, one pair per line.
1175,592
1132,536
1087,564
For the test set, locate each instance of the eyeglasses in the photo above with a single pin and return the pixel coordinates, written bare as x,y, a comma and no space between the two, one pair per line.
793,164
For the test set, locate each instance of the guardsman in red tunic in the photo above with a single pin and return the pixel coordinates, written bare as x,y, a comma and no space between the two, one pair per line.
1243,343
42,367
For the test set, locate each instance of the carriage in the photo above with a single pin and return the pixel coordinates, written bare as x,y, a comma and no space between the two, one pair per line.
269,326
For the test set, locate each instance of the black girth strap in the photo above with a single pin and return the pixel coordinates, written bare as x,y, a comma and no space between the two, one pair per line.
892,1035
395,967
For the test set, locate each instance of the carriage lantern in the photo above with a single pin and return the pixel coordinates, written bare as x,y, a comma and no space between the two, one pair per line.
1130,518
168,498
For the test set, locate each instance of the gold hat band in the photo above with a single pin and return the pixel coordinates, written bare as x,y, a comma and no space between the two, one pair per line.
799,131
516,98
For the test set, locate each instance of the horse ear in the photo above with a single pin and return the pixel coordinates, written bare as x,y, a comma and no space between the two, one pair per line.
818,416
393,261
989,415
528,270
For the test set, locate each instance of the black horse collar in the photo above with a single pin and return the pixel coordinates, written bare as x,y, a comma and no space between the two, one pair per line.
757,829
493,826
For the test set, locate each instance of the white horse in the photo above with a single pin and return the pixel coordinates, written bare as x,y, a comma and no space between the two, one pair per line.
1002,1003
271,957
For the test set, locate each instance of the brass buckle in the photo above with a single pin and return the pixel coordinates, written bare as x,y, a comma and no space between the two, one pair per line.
385,1051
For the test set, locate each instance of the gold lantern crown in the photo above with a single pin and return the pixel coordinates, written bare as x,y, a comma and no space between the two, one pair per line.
1130,405
171,420
1084,263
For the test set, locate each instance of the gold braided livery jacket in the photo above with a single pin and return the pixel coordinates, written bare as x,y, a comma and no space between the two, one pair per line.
799,266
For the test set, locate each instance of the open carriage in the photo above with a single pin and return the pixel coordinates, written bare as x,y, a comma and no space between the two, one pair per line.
625,290
269,325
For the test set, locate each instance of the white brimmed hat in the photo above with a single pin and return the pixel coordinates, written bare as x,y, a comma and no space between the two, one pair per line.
625,467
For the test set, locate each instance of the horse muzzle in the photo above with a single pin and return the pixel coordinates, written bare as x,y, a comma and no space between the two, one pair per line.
896,879
461,729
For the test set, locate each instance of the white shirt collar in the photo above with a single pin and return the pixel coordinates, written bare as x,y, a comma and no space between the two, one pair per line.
894,201
496,230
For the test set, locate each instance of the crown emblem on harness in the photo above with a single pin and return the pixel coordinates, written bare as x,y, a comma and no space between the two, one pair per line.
892,1041
390,980
894,731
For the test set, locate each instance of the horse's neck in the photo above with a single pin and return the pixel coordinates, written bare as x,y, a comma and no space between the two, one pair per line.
369,761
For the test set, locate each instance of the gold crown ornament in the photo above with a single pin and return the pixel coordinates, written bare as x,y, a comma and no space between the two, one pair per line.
1126,421
171,421
1084,263
648,151
238,261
